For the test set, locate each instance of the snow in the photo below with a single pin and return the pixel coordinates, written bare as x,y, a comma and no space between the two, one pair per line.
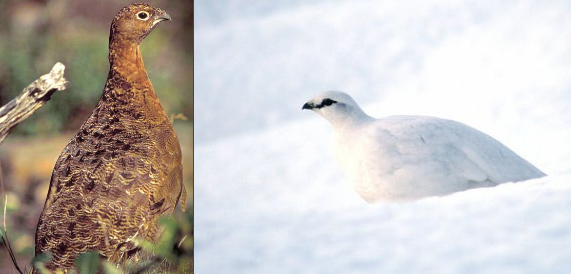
479,231
268,195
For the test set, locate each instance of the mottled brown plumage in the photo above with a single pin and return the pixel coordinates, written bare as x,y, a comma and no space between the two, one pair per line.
122,170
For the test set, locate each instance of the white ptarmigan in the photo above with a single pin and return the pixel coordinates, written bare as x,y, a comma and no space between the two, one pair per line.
410,157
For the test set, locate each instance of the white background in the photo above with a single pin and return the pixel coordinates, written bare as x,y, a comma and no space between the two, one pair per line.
269,197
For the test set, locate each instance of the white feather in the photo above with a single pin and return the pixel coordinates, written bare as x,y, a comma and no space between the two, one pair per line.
408,157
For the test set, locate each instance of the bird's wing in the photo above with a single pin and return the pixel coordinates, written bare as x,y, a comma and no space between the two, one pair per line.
424,148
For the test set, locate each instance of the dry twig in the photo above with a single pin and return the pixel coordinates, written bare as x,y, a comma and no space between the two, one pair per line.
32,98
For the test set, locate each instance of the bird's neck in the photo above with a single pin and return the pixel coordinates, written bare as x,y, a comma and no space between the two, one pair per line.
350,119
125,58
128,86
127,79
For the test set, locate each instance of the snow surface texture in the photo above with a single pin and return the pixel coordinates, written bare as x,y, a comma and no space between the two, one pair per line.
410,157
269,197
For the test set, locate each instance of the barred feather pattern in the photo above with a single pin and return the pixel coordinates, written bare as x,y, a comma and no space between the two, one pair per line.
122,170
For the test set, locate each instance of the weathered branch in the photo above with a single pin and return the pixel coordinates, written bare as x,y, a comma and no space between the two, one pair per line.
32,98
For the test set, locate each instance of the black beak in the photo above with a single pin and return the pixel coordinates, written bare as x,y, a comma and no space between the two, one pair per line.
308,106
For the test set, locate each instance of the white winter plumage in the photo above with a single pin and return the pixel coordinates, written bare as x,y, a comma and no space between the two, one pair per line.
407,157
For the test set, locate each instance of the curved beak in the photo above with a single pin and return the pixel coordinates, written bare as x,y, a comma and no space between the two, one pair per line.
164,17
161,16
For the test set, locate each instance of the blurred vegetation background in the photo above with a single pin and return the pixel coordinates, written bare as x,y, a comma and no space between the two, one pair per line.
34,35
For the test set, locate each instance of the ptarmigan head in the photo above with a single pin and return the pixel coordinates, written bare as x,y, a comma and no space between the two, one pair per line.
135,21
337,107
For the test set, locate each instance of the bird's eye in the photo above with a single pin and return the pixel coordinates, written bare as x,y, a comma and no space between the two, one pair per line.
142,15
327,102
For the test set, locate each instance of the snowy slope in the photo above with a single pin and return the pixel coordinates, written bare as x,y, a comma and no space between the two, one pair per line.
269,197
284,209
515,228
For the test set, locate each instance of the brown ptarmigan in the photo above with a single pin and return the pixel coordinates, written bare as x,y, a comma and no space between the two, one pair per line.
122,170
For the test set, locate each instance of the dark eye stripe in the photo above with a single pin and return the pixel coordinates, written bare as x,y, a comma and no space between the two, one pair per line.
327,102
